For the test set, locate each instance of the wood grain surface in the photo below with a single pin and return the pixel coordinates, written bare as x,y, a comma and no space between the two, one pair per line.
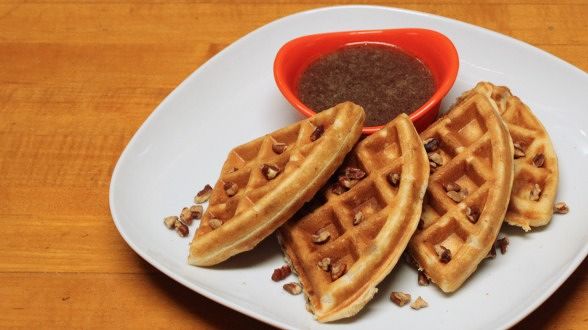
77,78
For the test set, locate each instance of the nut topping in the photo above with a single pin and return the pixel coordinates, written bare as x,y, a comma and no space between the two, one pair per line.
400,298
196,211
279,147
203,195
419,303
431,144
502,244
539,160
181,228
321,236
492,253
561,208
231,188
455,196
443,253
186,216
337,189
170,221
435,158
535,192
354,173
472,214
293,288
393,179
325,264
270,171
347,182
423,278
215,223
518,150
318,132
337,270
452,186
357,218
281,273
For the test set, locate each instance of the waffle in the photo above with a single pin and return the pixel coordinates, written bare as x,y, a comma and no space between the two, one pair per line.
535,163
468,191
361,252
237,219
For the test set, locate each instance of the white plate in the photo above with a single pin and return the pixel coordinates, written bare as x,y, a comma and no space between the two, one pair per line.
232,99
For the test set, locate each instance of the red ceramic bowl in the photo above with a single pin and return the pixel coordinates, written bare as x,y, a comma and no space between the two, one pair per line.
434,49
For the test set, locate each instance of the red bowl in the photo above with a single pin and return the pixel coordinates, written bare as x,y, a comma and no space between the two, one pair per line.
434,49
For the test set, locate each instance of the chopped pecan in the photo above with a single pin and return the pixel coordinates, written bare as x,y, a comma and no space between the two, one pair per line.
472,214
170,221
419,303
357,218
181,228
347,182
539,160
231,188
435,158
196,211
492,253
321,236
337,270
519,151
279,147
186,216
281,273
393,179
203,195
400,298
270,171
337,189
317,133
452,186
354,173
431,144
325,264
293,288
443,253
535,193
502,244
423,278
561,208
455,196
215,223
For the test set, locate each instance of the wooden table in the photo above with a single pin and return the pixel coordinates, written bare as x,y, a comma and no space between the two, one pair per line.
76,81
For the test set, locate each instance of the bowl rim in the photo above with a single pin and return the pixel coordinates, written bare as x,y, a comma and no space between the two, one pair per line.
445,83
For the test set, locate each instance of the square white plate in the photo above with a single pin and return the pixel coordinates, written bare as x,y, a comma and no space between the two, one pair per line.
233,98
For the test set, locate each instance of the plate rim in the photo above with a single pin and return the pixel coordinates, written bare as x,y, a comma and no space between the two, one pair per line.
572,266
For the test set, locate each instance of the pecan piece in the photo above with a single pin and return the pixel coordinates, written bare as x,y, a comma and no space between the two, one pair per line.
231,188
338,270
472,214
279,147
293,288
455,196
186,216
400,298
431,144
181,228
321,236
492,253
535,193
203,195
270,171
443,253
357,218
170,221
419,303
423,278
281,273
561,208
393,179
347,182
435,158
452,186
354,173
196,211
519,151
215,223
337,189
502,244
318,132
325,264
539,160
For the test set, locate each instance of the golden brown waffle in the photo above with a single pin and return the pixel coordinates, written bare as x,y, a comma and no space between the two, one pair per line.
237,219
468,192
385,210
535,160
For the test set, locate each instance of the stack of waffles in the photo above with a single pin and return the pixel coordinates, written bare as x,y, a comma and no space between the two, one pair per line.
345,211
